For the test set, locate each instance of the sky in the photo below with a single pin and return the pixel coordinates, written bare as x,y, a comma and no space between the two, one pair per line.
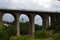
39,5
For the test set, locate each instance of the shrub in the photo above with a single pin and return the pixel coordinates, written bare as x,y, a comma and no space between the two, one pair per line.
57,36
27,38
11,30
21,38
46,39
16,38
3,34
6,32
41,34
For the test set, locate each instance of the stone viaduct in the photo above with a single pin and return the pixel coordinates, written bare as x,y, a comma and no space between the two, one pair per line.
31,14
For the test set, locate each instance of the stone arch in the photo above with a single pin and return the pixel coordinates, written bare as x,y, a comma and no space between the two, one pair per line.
16,21
38,20
12,13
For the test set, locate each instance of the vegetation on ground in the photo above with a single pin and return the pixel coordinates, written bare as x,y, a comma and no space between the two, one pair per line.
9,32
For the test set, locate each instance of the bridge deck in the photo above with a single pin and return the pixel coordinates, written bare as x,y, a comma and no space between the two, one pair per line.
27,11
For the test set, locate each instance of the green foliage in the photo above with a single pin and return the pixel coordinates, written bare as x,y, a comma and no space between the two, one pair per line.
21,38
11,30
57,36
56,28
27,37
24,28
37,27
41,34
46,39
6,32
3,34
16,38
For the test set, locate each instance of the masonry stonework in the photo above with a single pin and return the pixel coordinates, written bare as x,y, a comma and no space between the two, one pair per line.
31,27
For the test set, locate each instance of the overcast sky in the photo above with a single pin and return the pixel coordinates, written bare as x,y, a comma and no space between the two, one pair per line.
40,5
50,5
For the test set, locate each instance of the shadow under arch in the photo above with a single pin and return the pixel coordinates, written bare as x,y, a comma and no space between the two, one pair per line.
24,21
38,22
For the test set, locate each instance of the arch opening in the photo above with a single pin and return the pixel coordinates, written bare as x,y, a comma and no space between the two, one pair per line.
49,21
38,22
24,20
8,23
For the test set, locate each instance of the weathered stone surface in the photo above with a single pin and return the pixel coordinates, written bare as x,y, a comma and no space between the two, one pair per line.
31,27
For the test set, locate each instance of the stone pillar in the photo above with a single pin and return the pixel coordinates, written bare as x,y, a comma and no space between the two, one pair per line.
45,22
1,15
31,27
16,24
